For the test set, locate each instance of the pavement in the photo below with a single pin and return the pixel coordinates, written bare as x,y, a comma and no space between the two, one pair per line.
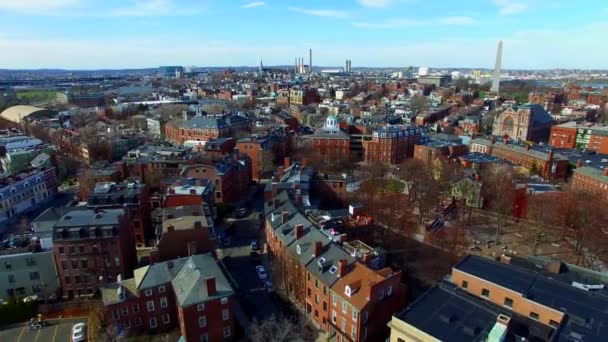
57,330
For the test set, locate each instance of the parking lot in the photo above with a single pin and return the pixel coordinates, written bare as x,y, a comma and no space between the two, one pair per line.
57,330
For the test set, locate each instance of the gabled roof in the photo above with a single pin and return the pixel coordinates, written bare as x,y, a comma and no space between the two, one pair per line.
328,272
157,274
190,285
360,278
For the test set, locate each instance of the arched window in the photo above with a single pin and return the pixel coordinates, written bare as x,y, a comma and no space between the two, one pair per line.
507,124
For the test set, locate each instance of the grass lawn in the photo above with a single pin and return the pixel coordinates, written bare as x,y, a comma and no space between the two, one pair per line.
36,94
385,185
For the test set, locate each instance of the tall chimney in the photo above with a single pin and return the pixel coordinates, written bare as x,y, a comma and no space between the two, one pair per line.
550,156
579,163
605,172
286,162
310,61
210,284
284,217
296,65
299,231
192,248
341,268
316,248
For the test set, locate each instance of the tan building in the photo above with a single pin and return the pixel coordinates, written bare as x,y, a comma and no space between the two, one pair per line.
528,122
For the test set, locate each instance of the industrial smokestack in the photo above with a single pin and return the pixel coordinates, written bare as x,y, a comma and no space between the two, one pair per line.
346,66
310,61
349,65
296,65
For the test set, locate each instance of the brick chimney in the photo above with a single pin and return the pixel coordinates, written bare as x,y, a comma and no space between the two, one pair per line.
316,248
579,163
605,172
284,217
342,268
170,228
281,171
506,141
527,147
210,284
171,191
299,231
299,200
286,162
192,248
367,258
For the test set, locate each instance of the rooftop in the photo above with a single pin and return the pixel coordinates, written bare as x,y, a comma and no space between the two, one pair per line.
80,218
190,284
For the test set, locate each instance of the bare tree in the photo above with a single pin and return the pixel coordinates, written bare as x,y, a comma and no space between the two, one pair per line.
419,103
283,329
499,191
542,211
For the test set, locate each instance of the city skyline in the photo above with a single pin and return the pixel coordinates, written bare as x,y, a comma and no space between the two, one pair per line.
79,34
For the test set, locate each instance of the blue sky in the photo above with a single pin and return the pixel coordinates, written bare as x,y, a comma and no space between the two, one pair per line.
436,33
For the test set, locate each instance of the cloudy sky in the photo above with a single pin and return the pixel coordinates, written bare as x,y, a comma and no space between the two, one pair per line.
396,33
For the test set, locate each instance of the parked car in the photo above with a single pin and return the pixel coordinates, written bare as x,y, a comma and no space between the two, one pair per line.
79,332
242,212
261,272
254,245
268,286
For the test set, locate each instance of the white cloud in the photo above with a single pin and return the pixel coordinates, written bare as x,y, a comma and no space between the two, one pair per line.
36,6
376,3
254,4
510,7
321,12
402,23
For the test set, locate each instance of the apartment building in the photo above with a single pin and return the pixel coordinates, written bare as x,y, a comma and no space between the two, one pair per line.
190,293
26,191
392,144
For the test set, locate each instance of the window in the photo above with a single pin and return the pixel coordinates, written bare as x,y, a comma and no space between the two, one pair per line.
148,292
381,295
124,310
465,284
389,291
508,302
166,319
80,249
225,314
136,307
324,306
485,293
84,264
137,321
355,315
309,292
115,314
309,276
226,331
161,289
553,323
353,333
127,324
202,321
200,307
61,250
333,316
317,283
34,275
163,302
324,290
74,264
224,300
534,315
152,322
343,325
68,280
316,313
344,307
204,338
317,298
334,299
11,278
150,305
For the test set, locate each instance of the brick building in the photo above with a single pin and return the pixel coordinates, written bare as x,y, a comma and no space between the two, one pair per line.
580,136
264,151
220,147
88,178
512,299
303,96
191,293
331,140
92,248
199,130
304,254
231,177
26,191
134,199
434,149
591,179
392,144
546,163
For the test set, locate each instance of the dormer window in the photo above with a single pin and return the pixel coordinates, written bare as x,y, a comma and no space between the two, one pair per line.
321,262
333,269
348,291
299,249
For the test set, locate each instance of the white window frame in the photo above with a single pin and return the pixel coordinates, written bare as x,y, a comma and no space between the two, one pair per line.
149,304
163,302
166,319
161,289
200,307
344,307
334,316
227,329
353,332
202,321
225,314
334,299
224,300
152,322
127,324
148,292
355,315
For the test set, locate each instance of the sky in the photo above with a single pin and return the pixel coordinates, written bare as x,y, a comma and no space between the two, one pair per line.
97,34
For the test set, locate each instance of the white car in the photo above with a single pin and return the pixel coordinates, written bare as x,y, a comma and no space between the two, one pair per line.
79,332
261,272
